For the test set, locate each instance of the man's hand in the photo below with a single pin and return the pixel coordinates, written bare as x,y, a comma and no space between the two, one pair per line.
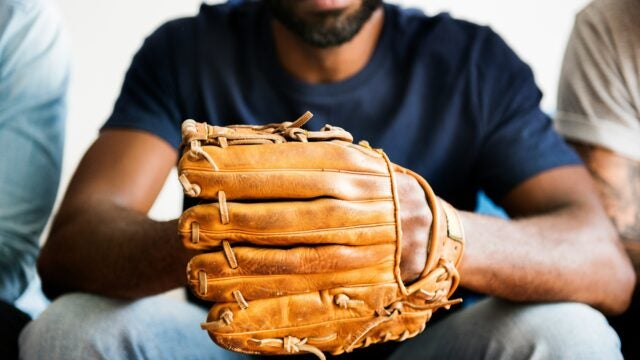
416,221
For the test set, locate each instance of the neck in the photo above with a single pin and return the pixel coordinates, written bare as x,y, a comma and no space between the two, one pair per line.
322,65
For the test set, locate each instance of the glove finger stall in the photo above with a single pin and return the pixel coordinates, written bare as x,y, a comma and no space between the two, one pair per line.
263,273
337,155
333,169
320,221
292,184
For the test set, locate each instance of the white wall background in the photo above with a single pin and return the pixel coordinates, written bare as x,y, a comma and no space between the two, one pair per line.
106,34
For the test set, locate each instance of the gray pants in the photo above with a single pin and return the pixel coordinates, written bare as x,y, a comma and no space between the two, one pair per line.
83,326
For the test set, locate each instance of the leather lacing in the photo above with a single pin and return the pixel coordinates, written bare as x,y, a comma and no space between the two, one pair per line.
443,272
240,299
190,189
294,345
223,208
229,254
189,130
202,279
225,318
249,135
433,299
195,232
344,302
224,219
362,340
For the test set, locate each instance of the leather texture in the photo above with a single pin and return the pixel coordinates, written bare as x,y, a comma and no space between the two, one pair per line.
302,238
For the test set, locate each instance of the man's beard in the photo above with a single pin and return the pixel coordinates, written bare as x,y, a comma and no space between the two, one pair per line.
325,29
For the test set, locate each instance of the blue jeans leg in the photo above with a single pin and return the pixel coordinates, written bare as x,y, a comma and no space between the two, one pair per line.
81,326
85,326
496,329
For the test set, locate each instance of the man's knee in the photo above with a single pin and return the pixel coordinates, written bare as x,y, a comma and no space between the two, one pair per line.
555,330
80,326
496,329
73,325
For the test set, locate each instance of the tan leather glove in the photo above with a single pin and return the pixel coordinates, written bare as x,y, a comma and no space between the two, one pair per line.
307,239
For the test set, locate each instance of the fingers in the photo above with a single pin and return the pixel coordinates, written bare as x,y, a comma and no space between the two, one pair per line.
285,224
415,218
264,273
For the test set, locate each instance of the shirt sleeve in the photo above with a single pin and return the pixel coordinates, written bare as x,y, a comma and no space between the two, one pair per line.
148,100
34,70
598,94
518,139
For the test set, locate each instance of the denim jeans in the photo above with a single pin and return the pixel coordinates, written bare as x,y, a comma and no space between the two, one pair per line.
83,326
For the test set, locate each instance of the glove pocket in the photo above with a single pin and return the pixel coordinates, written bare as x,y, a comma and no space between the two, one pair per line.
327,320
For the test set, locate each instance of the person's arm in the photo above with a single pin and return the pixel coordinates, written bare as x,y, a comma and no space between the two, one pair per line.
617,179
34,70
560,246
597,106
598,110
102,240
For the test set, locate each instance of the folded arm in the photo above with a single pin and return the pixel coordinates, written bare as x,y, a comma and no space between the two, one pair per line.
560,246
617,179
102,240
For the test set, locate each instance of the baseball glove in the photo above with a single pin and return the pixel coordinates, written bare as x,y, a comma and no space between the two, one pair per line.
301,234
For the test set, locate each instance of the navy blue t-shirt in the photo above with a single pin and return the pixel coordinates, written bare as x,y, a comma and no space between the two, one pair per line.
443,97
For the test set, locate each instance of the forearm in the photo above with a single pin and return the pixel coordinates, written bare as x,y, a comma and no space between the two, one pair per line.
113,251
564,255
618,182
617,179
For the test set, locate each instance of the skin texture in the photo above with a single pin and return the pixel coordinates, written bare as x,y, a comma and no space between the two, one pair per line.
617,179
101,239
561,246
